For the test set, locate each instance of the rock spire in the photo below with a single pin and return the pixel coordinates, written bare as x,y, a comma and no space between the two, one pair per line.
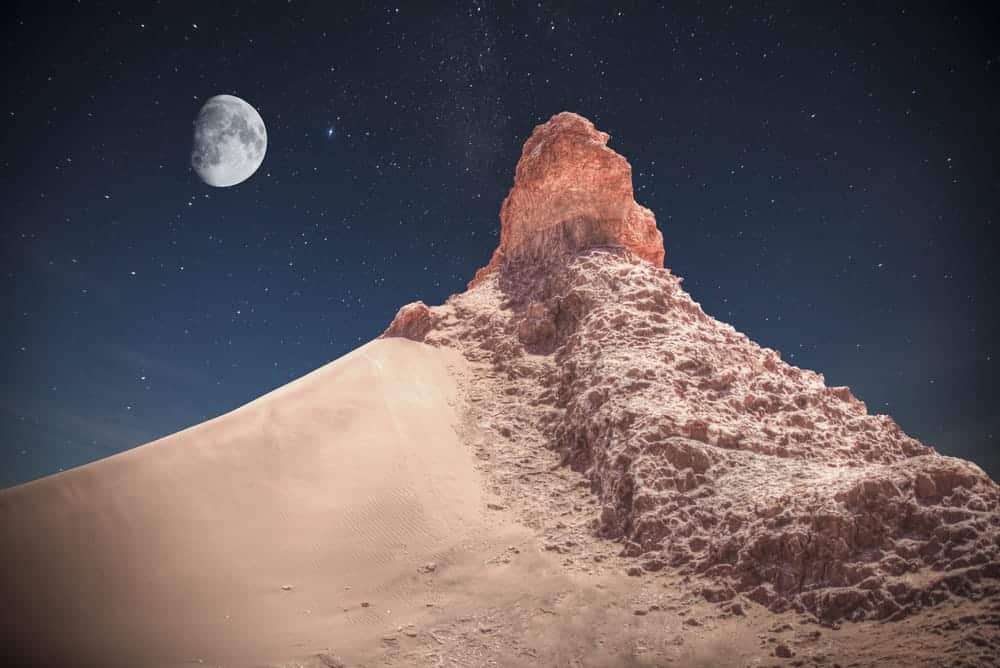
572,192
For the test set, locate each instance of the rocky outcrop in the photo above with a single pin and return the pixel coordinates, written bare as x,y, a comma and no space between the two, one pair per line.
572,192
412,321
707,452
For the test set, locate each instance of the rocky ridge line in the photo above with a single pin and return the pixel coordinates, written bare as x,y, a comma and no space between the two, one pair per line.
707,453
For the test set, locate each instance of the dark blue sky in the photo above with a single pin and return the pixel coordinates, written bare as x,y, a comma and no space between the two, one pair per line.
825,179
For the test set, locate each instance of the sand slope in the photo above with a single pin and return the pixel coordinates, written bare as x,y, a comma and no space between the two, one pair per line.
351,476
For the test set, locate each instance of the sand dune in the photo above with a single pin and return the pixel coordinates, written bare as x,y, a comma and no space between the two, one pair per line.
351,476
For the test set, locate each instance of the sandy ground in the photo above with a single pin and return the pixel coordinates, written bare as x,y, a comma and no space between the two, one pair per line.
336,486
369,514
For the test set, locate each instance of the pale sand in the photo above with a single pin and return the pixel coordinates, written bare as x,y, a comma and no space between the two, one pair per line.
339,485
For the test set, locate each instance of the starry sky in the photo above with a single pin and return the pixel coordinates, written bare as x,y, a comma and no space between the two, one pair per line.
825,178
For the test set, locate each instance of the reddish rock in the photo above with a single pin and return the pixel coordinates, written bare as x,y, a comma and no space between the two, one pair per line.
783,651
572,192
718,594
707,453
412,321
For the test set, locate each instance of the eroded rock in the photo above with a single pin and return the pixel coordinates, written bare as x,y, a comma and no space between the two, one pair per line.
572,192
707,453
412,321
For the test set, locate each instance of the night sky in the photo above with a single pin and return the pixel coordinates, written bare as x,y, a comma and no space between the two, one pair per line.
826,181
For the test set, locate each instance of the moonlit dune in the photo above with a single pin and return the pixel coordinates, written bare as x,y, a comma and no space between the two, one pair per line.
339,485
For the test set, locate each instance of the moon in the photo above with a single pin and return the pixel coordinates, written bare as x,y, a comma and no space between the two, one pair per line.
229,141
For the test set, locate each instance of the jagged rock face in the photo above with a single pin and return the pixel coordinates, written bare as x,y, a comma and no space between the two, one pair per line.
710,454
572,192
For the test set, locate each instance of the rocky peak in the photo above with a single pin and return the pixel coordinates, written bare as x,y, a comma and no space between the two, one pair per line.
572,192
706,453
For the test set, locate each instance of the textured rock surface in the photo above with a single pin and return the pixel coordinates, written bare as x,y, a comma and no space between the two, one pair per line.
412,321
572,192
707,453
710,455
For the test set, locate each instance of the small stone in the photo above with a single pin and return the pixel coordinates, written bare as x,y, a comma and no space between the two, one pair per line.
641,612
429,567
634,571
287,587
653,565
718,594
495,506
330,660
783,651
365,604
485,628
410,633
691,621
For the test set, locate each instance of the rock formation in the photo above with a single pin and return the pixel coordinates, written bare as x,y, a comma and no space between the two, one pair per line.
707,452
412,321
572,192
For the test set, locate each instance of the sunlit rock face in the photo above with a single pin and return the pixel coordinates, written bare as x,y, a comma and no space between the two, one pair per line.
572,192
